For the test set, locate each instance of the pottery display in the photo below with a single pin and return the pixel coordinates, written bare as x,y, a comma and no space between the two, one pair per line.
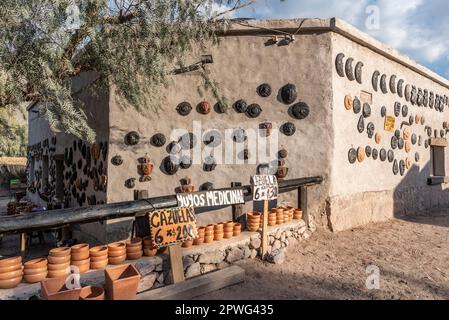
80,252
218,231
55,289
122,282
83,265
116,253
10,272
134,249
271,219
92,293
297,214
253,221
35,270
59,262
237,229
148,248
60,252
279,216
201,234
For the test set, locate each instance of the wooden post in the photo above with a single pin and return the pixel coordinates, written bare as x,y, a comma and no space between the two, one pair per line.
23,241
303,204
177,267
265,229
237,209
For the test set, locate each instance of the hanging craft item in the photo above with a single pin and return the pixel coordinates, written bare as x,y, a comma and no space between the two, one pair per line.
366,110
361,154
383,154
185,162
375,80
411,120
378,138
390,155
186,142
375,154
209,164
420,98
370,130
414,139
282,154
408,163
207,186
395,167
204,107
301,110
402,167
240,106
349,70
406,134
368,151
264,90
358,72
95,151
132,138
220,107
239,135
431,100
158,140
186,186
130,183
348,102
339,65
401,143
413,95
394,142
288,129
266,129
393,84
145,168
416,157
408,146
282,172
383,84
356,105
401,88
408,92
361,124
383,112
184,108
404,110
426,98
289,93
397,109
253,111
418,119
169,166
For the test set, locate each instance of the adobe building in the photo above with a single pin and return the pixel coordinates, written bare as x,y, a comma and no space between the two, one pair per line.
369,120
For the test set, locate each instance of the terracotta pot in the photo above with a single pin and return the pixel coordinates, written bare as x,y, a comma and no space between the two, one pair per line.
279,210
8,262
198,241
113,254
101,258
147,242
218,236
58,266
81,247
187,244
10,283
208,239
55,289
122,282
134,255
58,273
116,246
11,268
135,242
99,251
60,252
237,227
201,230
149,252
236,233
253,228
80,256
83,265
34,270
209,233
253,215
58,260
229,224
297,214
34,278
271,223
133,249
117,260
36,264
92,293
99,264
209,227
11,274
228,235
218,227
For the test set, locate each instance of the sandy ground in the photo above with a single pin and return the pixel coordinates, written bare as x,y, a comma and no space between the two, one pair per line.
413,258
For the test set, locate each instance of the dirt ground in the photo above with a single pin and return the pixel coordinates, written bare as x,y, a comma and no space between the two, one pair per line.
413,258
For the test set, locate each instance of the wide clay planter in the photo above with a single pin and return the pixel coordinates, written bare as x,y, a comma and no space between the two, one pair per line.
58,266
134,255
83,265
99,251
55,289
149,252
27,271
35,278
11,274
8,262
60,252
92,293
11,268
10,283
117,260
122,282
36,263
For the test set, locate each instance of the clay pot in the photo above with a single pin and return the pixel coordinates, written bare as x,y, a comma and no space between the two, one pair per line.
134,255
8,262
99,264
28,271
58,260
229,224
36,264
279,211
81,247
218,236
122,282
63,273
83,265
100,252
116,246
117,260
11,274
209,227
209,233
134,243
11,268
237,227
55,289
133,249
34,278
236,233
147,242
60,252
297,215
218,227
228,235
80,256
149,252
187,244
198,241
92,293
204,107
58,266
10,283
208,239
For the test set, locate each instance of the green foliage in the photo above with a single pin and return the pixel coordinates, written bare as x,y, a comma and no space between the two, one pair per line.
131,44
13,134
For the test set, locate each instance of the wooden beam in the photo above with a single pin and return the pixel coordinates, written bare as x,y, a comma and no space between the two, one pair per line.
177,268
197,286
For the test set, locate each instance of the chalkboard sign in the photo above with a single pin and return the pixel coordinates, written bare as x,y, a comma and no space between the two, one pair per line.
214,198
265,187
173,225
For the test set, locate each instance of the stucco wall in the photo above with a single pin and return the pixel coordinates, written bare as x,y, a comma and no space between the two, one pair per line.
369,191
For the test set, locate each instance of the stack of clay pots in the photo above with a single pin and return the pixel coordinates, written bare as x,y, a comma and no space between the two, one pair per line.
209,233
272,218
98,257
187,244
218,231
10,272
253,221
35,270
297,214
59,262
81,257
201,233
148,247
237,229
228,230
116,253
134,249
279,216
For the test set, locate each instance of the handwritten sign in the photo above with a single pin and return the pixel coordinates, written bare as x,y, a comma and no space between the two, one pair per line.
390,123
214,198
173,225
265,187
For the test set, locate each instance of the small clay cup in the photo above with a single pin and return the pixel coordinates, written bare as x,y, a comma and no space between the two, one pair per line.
237,226
135,242
218,227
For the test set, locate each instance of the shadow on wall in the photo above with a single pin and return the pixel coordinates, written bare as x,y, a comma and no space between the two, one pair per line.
416,201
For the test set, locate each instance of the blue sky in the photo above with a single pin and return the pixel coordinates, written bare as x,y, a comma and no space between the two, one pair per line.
417,28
